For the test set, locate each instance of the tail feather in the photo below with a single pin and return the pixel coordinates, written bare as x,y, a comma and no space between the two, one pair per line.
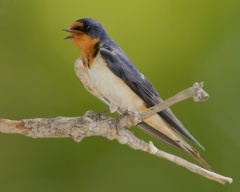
181,144
194,153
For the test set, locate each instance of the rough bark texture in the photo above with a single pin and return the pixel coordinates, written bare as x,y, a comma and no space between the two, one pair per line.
92,124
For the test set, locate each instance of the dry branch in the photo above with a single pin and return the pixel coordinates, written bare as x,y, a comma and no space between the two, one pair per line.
92,124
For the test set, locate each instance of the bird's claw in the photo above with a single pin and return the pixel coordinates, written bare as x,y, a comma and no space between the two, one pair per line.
102,115
129,118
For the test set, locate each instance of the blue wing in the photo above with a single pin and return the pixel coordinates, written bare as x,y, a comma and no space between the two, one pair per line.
122,67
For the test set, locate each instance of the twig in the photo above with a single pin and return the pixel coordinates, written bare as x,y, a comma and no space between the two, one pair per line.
92,124
192,167
196,92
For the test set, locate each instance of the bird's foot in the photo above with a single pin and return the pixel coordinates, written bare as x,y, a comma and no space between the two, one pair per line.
134,118
102,115
129,118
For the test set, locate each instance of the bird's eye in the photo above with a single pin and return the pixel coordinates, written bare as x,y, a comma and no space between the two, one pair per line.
88,28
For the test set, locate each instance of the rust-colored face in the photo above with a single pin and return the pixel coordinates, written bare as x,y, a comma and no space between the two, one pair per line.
77,35
82,40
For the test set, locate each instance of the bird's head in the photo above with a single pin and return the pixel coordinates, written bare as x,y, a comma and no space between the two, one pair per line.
86,33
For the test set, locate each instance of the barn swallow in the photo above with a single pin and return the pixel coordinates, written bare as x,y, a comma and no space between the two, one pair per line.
107,73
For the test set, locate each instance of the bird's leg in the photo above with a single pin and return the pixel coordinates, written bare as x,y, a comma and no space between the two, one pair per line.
129,118
112,109
133,118
125,113
102,115
120,121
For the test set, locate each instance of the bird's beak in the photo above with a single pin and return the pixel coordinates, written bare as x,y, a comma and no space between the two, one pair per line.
73,32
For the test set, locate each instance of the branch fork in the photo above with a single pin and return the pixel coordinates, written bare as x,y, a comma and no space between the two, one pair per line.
92,124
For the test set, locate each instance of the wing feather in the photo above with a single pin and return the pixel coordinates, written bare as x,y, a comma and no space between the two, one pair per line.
122,67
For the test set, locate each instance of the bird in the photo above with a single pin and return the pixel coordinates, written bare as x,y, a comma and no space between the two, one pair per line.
107,73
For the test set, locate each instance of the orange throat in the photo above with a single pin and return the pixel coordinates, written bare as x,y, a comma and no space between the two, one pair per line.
87,47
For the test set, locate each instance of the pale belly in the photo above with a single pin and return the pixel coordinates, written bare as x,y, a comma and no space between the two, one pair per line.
119,94
113,88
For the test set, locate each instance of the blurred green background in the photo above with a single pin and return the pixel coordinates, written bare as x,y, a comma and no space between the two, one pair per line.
174,43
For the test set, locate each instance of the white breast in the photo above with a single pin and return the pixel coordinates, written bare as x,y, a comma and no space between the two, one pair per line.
120,95
112,87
